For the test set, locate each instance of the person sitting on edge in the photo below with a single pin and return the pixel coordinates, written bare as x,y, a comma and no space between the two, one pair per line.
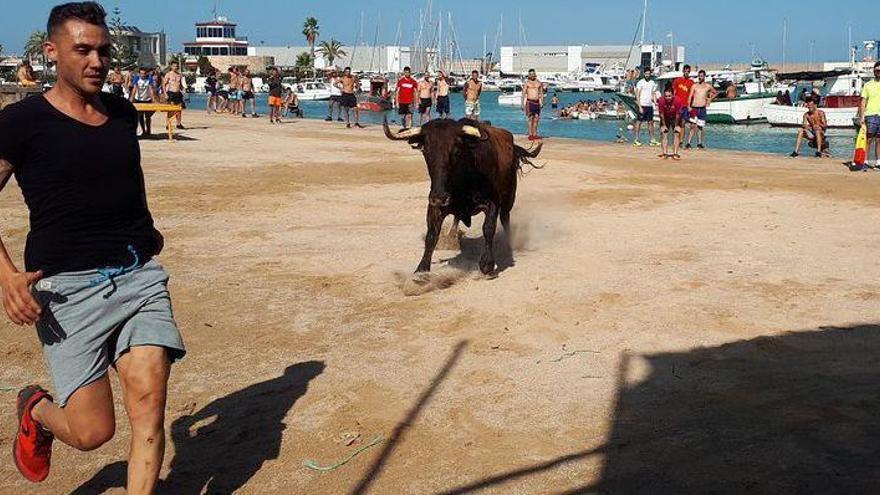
813,130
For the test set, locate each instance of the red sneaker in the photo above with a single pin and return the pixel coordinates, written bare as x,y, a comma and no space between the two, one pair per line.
32,448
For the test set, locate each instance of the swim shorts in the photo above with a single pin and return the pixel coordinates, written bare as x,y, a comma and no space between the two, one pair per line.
348,100
698,116
403,108
533,108
472,108
90,321
443,104
275,101
647,114
175,97
872,122
248,95
424,105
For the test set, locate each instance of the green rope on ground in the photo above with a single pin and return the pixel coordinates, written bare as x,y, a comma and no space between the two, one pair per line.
316,467
4,388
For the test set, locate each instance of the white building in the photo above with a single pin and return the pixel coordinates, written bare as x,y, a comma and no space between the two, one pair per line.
216,37
150,47
562,59
361,58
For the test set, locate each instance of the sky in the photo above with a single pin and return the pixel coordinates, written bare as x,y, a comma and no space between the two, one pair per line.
710,32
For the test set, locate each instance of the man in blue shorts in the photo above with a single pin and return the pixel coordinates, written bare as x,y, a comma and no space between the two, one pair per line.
646,98
870,112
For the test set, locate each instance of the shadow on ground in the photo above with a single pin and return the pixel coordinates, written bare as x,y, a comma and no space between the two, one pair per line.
221,446
400,430
792,414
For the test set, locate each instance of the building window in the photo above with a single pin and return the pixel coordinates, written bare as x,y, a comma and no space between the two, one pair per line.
224,51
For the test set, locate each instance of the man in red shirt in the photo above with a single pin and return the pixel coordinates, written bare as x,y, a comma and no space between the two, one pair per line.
671,122
682,87
406,95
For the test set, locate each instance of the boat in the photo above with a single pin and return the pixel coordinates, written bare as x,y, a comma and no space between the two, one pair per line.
369,103
311,91
840,104
746,109
511,96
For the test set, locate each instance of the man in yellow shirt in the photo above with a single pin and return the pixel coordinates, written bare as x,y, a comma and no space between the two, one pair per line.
870,112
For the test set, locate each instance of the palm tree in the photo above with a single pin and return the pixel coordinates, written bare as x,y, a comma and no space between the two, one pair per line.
310,31
33,48
331,50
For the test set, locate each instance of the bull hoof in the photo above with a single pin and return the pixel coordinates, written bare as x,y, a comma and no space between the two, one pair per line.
421,277
487,267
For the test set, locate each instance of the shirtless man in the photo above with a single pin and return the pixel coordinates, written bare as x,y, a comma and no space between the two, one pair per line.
172,85
348,84
426,98
26,75
442,105
116,80
247,94
813,130
702,94
472,89
234,96
533,101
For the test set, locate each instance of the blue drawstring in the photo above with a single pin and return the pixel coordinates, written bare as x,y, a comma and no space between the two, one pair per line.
109,274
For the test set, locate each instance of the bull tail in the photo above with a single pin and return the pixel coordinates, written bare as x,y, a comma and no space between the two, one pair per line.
524,156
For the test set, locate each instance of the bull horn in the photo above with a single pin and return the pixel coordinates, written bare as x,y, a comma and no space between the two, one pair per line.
471,131
410,133
401,136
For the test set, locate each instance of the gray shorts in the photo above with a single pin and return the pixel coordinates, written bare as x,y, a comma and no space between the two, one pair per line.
88,323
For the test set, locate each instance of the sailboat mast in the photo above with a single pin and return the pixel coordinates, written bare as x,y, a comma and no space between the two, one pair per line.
784,40
644,22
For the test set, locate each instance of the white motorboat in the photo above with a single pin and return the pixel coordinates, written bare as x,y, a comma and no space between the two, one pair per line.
511,96
311,90
789,116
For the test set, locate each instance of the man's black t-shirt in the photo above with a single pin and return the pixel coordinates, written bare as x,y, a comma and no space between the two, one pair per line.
83,185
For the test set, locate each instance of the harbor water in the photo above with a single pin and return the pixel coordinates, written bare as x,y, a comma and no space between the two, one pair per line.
757,137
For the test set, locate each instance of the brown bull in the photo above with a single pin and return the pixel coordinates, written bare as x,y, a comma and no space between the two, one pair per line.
473,168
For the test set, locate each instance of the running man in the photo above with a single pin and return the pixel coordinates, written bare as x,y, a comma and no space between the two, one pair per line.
247,94
702,94
682,88
532,102
91,283
813,130
646,97
472,90
671,122
869,112
143,90
348,84
275,101
406,96
443,95
172,86
426,98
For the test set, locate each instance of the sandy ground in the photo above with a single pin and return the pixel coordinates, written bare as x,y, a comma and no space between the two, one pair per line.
702,326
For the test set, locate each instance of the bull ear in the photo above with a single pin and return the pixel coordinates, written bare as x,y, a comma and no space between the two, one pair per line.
472,131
